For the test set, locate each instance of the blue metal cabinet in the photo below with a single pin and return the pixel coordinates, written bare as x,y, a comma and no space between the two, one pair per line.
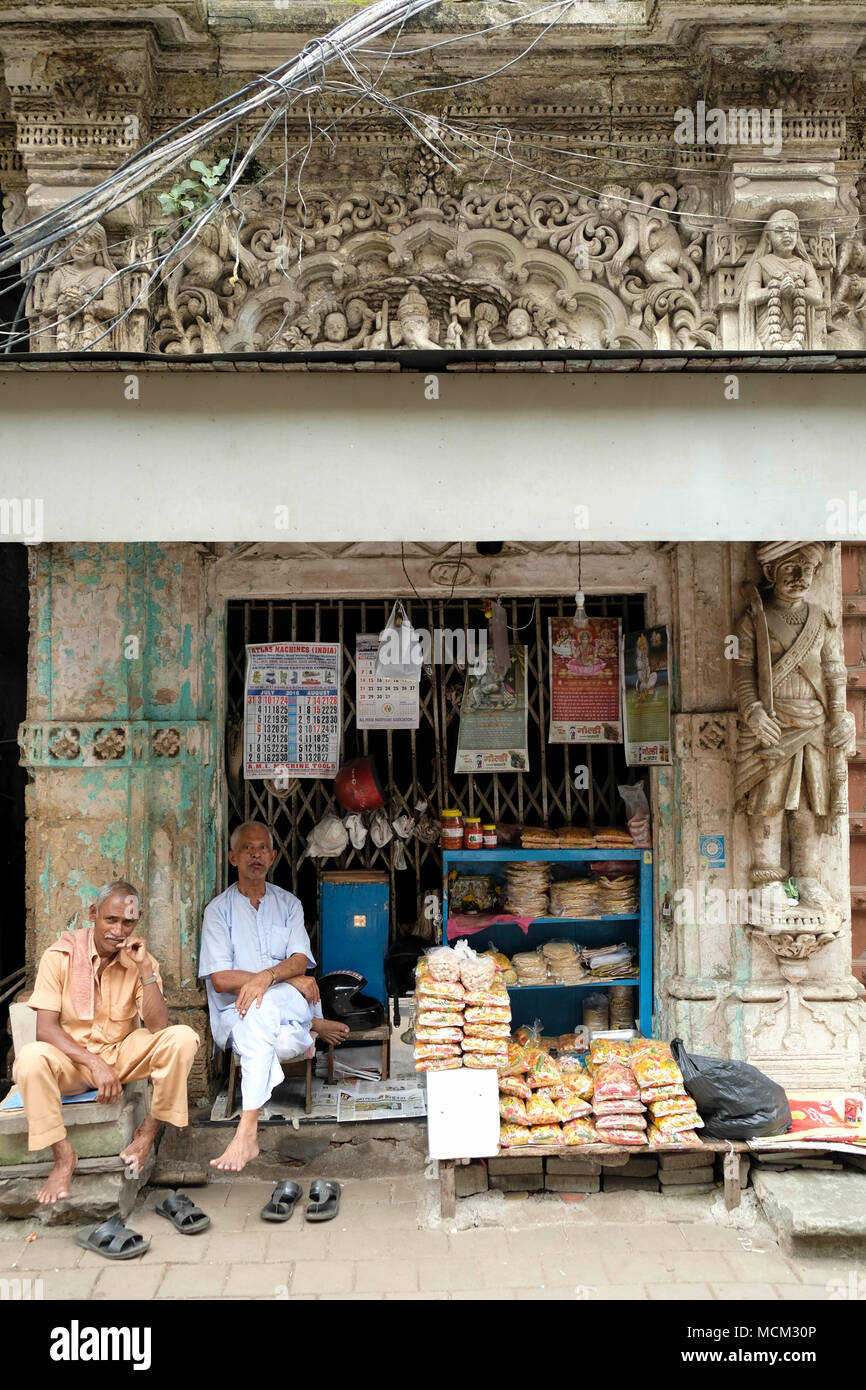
353,922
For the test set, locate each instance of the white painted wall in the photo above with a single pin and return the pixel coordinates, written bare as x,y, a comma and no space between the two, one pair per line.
210,455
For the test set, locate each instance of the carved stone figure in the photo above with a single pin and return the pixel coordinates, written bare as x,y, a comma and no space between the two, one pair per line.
847,327
780,289
336,325
793,732
518,327
81,296
412,328
649,232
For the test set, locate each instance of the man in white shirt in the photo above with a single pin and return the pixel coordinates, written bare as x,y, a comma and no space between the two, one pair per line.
254,956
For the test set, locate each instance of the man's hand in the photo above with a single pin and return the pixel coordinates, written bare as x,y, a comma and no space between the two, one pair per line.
767,729
253,991
306,985
842,730
105,1080
133,954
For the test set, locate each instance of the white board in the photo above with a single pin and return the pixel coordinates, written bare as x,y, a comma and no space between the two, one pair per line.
463,1113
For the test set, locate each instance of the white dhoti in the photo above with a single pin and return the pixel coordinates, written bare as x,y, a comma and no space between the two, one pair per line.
278,1029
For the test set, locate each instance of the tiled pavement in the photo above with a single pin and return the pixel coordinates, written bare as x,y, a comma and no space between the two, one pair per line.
387,1243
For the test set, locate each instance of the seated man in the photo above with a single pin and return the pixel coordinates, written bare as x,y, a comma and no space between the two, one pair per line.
92,987
254,955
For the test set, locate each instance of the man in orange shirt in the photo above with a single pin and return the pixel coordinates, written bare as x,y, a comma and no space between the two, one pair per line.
92,987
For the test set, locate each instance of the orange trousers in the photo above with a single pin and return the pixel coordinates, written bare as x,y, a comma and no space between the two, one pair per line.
43,1074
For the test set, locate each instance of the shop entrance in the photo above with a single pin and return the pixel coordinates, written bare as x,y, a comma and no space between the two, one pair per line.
418,764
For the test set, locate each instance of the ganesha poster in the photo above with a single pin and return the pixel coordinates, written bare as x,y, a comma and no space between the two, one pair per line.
584,681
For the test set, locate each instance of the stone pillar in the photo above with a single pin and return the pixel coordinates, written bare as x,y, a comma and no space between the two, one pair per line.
121,749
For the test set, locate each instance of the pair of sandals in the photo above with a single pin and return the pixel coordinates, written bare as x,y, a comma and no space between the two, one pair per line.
117,1242
323,1205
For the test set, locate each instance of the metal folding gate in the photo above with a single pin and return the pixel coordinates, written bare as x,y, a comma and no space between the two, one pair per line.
417,765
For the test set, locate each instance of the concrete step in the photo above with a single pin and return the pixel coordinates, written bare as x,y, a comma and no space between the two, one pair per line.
815,1212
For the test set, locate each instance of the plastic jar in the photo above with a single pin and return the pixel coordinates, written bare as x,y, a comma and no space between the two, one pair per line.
472,836
488,833
451,830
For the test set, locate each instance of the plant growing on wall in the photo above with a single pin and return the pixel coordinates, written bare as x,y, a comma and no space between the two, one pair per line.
192,195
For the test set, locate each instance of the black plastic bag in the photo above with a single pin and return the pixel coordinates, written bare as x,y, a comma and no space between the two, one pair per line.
734,1099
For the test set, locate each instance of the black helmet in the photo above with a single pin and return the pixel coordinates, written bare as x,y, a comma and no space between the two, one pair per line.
343,1001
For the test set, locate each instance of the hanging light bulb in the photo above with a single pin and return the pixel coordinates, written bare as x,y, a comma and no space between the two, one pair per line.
580,618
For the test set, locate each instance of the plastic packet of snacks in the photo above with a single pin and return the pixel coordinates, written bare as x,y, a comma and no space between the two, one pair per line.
425,1051
541,1110
476,972
613,1081
443,963
487,1014
606,1122
546,1134
484,1061
517,1060
439,1064
573,1108
603,1050
580,1132
672,1124
686,1138
622,1136
486,1030
662,1092
675,1106
618,1107
513,1109
496,998
511,1136
493,1046
439,989
655,1066
514,1086
543,1071
528,1034
438,1018
437,1035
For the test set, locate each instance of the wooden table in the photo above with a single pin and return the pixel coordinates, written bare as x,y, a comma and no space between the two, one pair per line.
382,1035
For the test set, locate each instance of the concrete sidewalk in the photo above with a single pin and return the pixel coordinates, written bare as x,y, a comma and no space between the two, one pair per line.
387,1242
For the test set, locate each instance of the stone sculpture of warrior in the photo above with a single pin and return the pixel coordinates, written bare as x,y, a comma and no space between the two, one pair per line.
794,727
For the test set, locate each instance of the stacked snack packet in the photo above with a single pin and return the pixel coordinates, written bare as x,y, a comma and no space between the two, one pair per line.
543,1100
617,1107
439,1006
674,1115
487,1016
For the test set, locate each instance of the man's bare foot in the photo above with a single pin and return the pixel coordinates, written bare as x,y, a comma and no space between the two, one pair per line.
329,1031
136,1152
241,1149
58,1181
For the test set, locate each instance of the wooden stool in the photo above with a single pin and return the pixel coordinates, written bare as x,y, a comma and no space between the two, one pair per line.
302,1065
381,1034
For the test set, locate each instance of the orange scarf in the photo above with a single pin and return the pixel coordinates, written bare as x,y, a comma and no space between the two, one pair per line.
78,945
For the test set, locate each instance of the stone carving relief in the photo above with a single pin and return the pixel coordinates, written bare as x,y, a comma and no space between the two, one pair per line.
78,303
847,321
780,290
794,737
109,744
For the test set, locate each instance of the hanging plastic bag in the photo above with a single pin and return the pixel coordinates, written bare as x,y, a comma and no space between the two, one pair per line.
380,830
400,648
356,828
637,815
735,1100
327,839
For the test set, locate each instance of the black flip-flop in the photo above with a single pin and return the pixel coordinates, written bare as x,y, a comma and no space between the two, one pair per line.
324,1200
183,1214
113,1240
282,1202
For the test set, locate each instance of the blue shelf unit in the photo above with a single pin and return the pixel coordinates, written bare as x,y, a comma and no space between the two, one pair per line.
560,1007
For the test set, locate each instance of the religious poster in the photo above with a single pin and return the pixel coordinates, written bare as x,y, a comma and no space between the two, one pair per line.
381,702
584,681
493,717
646,696
292,709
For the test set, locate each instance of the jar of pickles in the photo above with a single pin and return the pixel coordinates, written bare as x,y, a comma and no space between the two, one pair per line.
451,830
472,836
488,833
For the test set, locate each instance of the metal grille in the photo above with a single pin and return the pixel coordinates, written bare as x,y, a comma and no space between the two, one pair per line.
416,764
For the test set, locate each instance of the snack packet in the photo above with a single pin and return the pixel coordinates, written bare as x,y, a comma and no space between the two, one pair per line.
443,963
518,1062
546,1134
614,1081
496,998
514,1086
655,1066
675,1106
673,1124
439,1064
425,1051
603,1123
622,1136
510,1136
617,1107
495,1046
543,1070
662,1092
513,1109
685,1138
573,1108
438,1018
439,989
579,1132
484,1061
541,1110
603,1050
486,1030
481,1014
434,1035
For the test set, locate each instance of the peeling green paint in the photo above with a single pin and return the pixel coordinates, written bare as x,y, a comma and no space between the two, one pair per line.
113,842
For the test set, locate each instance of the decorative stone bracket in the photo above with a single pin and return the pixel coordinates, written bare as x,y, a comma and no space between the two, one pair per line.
115,743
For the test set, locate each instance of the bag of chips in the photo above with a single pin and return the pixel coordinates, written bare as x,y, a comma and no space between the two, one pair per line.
438,1018
518,1062
510,1136
603,1123
603,1050
576,1077
439,1064
496,998
476,1014
541,1110
424,1051
662,1092
672,1124
573,1108
514,1086
443,963
439,989
543,1071
614,1081
484,1061
546,1134
686,1138
579,1132
513,1109
617,1107
622,1136
434,1035
679,1105
490,1045
486,1030
655,1066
